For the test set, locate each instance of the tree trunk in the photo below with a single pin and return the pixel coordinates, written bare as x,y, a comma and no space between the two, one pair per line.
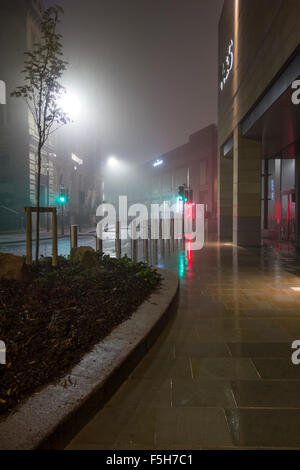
37,246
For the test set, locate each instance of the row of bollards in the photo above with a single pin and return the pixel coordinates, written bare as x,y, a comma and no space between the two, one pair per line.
159,233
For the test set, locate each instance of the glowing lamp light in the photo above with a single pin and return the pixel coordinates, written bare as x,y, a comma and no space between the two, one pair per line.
113,162
158,163
295,289
70,104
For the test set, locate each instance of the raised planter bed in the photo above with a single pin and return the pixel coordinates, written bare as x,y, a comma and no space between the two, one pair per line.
51,418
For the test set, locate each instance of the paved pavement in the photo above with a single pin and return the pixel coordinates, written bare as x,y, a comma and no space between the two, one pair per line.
220,375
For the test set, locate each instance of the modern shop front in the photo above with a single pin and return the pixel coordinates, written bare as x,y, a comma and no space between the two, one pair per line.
259,121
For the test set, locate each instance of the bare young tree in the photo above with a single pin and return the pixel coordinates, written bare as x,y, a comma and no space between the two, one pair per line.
42,91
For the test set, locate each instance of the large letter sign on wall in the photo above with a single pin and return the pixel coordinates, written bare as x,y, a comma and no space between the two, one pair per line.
227,65
2,92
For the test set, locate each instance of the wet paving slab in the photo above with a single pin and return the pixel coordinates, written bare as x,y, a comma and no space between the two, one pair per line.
220,375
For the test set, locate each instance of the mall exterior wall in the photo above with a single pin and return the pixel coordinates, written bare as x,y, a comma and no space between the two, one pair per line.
257,40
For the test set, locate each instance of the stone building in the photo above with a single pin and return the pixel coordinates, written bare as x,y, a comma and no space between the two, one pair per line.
19,30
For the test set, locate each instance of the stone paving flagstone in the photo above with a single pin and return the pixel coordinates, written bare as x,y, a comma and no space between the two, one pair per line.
220,375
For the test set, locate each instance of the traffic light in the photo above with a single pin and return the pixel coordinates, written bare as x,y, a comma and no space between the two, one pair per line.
188,195
181,193
62,198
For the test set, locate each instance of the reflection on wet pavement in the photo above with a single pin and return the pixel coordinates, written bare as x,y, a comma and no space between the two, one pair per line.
220,375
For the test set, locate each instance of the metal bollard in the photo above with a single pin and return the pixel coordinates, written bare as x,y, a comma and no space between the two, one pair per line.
74,236
161,236
161,240
169,235
155,252
54,238
99,241
146,240
28,236
118,240
99,245
172,229
146,250
154,238
172,234
134,243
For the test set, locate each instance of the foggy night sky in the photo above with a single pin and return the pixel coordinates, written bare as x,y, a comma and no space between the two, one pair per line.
146,70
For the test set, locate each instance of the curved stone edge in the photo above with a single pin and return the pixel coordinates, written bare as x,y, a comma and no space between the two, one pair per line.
52,417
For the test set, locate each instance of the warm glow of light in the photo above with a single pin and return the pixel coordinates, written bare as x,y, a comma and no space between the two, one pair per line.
116,167
296,289
113,162
70,103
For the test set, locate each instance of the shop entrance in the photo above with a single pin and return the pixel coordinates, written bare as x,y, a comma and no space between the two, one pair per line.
279,201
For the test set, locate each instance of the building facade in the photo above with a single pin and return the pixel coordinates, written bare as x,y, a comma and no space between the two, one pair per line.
18,29
258,131
70,158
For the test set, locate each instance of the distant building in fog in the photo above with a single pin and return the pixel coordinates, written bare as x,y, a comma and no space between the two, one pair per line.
193,165
19,30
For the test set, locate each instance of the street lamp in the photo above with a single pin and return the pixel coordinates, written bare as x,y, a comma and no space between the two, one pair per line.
70,103
113,162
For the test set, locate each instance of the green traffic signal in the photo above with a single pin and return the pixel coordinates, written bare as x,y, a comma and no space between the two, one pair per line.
62,199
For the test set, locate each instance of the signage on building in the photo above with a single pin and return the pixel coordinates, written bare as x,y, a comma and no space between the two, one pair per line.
227,65
77,159
2,92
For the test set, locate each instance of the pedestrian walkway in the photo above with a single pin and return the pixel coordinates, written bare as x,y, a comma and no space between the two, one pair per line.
220,375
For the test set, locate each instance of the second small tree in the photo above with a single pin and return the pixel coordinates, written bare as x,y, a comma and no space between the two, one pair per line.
42,91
